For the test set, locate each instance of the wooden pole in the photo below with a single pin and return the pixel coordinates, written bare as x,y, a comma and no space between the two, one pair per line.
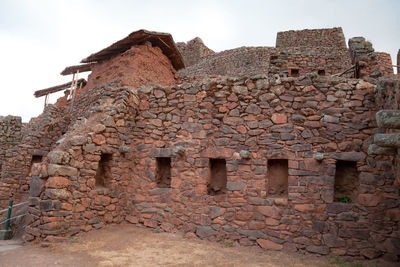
73,95
45,101
72,85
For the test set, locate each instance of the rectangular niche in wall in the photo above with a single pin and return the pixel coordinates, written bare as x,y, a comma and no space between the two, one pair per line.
277,177
35,159
294,72
346,181
321,72
217,180
103,174
163,175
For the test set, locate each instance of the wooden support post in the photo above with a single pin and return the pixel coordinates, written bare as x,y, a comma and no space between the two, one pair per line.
45,101
73,93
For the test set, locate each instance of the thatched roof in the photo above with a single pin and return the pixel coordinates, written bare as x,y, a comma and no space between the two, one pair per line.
57,88
75,68
159,39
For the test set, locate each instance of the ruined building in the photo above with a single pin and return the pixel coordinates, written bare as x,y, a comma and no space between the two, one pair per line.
293,147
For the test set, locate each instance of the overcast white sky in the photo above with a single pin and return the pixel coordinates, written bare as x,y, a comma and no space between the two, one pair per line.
39,38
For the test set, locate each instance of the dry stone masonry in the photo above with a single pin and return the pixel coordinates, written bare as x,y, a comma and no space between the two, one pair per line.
279,147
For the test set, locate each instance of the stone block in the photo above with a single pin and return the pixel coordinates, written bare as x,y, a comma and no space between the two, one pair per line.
78,140
267,244
279,118
318,249
235,186
204,231
57,182
387,140
389,119
36,186
60,170
374,149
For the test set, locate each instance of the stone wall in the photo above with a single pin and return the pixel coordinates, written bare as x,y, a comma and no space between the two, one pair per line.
235,62
387,94
10,136
332,37
256,60
385,63
244,124
30,145
193,51
364,58
65,194
326,60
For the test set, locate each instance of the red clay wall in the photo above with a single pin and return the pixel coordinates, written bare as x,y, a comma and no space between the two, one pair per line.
140,65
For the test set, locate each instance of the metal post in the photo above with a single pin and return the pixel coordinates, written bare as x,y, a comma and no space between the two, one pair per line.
9,214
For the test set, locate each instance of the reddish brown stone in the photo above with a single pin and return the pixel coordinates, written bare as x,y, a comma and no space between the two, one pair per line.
267,244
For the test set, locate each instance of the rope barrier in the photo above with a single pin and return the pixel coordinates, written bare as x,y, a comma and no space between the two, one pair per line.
16,205
13,218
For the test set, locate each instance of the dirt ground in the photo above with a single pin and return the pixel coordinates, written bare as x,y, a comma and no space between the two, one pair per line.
129,245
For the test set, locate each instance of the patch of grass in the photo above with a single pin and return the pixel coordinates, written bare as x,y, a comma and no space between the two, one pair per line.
73,239
342,262
345,199
366,43
227,243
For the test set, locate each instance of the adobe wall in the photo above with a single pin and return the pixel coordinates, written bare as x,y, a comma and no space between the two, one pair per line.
140,65
332,37
193,50
310,122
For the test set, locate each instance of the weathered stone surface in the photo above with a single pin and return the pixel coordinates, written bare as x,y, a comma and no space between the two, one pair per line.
388,119
387,140
36,186
349,156
318,249
374,149
267,244
60,170
234,186
58,157
57,194
57,182
204,231
78,140
278,118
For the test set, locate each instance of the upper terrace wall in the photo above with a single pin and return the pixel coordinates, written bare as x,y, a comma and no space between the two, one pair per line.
385,63
313,59
193,51
234,62
311,122
257,60
333,37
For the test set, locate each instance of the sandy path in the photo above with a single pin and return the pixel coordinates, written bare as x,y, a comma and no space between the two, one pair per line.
128,245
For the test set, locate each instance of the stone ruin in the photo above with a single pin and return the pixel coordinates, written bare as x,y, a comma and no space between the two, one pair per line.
293,147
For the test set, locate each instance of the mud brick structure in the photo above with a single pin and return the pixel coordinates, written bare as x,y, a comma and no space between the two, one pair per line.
293,147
